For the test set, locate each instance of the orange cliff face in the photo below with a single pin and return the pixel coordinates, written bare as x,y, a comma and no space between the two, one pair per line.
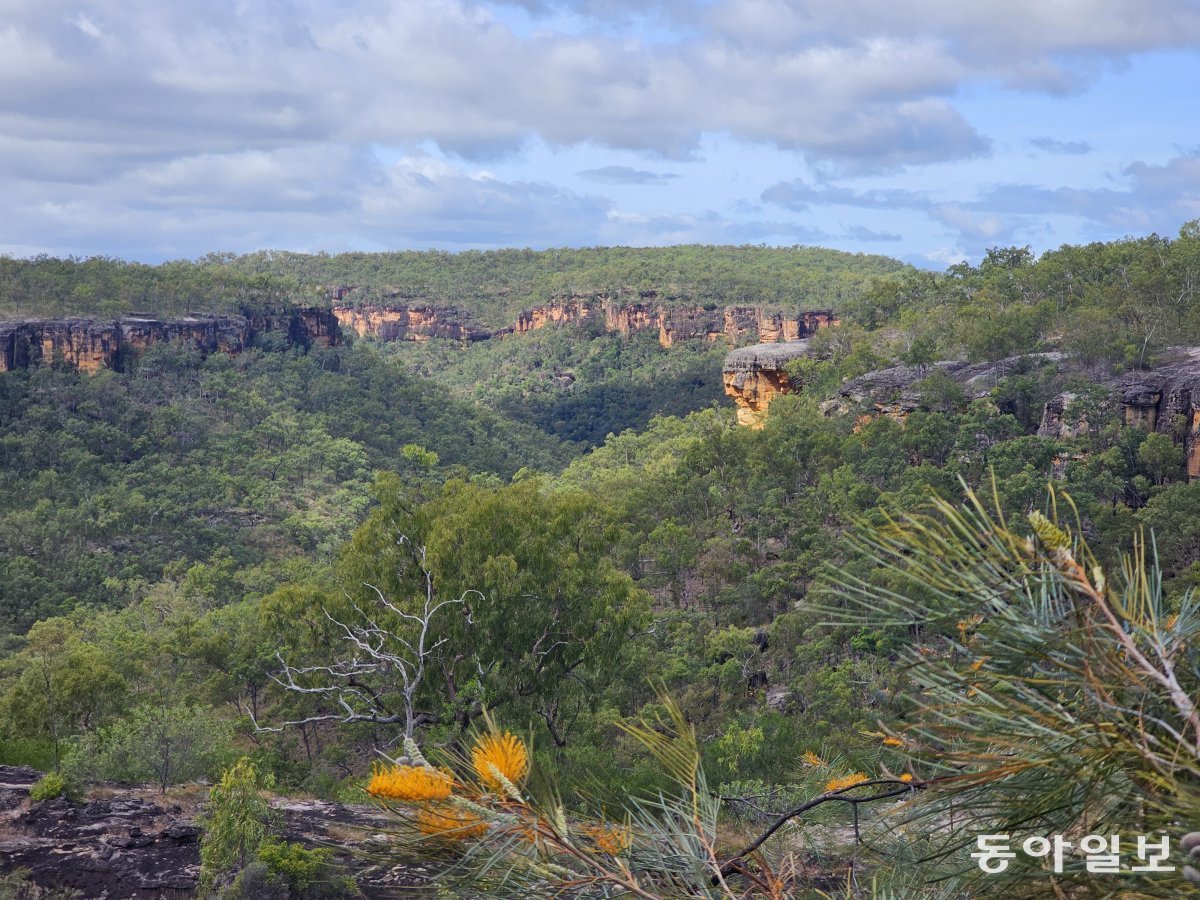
755,376
1192,446
736,324
555,313
86,346
407,323
1164,399
370,322
90,346
320,326
630,317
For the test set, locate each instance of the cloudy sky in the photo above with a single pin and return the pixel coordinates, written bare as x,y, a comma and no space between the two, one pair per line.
924,129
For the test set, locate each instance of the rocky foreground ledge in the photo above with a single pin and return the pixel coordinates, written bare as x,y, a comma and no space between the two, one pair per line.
128,843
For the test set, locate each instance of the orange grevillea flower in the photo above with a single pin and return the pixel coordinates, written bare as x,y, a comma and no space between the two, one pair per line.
906,778
890,741
450,823
836,784
411,784
530,833
610,839
812,759
506,753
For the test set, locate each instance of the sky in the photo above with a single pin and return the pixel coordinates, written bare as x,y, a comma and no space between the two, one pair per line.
927,130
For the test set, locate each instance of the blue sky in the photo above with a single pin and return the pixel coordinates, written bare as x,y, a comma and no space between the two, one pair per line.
928,130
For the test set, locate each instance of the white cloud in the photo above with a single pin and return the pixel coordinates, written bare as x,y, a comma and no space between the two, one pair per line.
987,227
800,195
1062,148
255,121
1149,196
311,198
856,81
625,175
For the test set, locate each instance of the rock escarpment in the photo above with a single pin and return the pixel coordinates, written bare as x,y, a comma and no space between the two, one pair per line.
895,392
620,314
755,376
90,345
409,323
1165,399
734,324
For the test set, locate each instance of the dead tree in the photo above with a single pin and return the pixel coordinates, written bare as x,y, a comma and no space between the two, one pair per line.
380,659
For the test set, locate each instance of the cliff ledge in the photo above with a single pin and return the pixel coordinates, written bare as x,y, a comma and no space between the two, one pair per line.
754,376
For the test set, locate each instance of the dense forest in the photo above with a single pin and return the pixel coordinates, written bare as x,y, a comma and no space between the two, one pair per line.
556,557
492,286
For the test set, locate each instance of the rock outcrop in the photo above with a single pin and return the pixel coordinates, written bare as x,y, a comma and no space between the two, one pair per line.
896,392
755,376
408,323
1165,399
128,843
619,313
90,345
121,847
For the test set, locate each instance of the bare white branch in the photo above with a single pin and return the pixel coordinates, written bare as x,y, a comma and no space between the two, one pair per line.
381,661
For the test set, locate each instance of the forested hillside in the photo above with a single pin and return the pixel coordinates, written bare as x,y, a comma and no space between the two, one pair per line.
496,285
306,555
493,286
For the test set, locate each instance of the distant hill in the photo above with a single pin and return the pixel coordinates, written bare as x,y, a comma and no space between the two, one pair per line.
493,286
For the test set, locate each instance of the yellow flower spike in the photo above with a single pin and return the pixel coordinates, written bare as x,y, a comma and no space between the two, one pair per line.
450,823
836,784
1051,536
906,778
812,759
890,741
610,839
506,753
411,784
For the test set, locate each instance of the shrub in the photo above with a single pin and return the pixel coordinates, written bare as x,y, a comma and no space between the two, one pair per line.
239,858
166,744
18,885
255,883
54,785
308,874
236,823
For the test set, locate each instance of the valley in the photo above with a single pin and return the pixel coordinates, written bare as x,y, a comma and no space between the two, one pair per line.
305,537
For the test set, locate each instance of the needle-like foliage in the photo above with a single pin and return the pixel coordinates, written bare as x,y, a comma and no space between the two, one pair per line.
1052,696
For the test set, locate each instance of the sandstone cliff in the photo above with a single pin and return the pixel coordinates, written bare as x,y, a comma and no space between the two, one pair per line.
895,392
90,345
755,376
408,323
734,324
619,313
1165,399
